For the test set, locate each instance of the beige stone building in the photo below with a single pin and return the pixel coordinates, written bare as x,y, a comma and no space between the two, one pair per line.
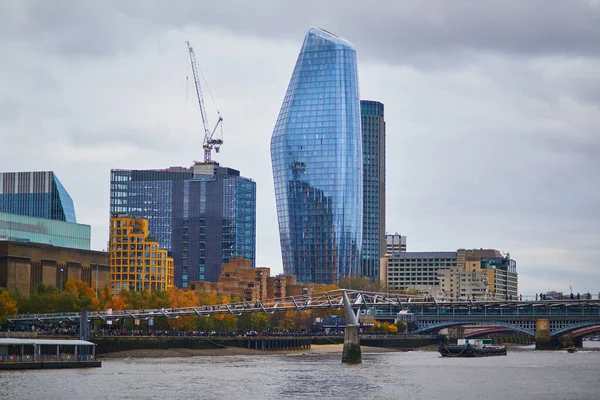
477,273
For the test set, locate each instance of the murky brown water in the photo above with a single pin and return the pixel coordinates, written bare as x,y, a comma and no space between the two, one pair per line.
522,374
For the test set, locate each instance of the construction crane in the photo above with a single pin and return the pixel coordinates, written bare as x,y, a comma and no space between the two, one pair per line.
210,139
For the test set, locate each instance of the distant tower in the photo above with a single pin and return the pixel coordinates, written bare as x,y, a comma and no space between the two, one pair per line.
316,152
373,143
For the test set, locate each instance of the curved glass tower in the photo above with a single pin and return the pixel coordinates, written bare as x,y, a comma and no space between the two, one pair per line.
316,152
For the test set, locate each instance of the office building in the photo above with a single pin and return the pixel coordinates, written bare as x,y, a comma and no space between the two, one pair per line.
395,243
20,228
204,216
316,154
373,144
35,194
136,261
24,266
463,274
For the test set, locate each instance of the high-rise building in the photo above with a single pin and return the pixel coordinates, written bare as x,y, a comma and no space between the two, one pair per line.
204,216
316,153
136,261
373,144
395,243
35,194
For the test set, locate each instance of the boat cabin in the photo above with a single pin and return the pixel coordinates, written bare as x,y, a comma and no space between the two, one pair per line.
39,350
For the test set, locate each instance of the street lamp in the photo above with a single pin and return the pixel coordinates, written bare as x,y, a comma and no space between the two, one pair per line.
96,280
61,274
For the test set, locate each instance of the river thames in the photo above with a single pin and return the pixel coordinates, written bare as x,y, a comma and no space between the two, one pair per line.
522,374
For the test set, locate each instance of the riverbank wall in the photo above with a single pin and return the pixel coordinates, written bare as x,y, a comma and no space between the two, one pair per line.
111,344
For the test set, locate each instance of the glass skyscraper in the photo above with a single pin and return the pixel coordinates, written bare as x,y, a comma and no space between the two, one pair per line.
373,139
35,194
204,216
316,153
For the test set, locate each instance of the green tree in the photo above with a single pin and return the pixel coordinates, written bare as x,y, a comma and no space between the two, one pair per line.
401,325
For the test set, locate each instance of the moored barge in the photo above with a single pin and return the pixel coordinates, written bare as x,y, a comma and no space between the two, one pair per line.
471,348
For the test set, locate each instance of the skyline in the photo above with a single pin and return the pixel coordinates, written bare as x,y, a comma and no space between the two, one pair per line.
479,103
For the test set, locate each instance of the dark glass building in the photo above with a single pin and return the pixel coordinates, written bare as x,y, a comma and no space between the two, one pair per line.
316,153
373,142
204,216
35,194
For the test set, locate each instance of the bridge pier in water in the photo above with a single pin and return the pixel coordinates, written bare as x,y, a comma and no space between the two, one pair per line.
352,353
543,340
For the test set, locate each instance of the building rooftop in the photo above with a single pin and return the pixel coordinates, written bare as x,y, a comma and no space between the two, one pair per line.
424,254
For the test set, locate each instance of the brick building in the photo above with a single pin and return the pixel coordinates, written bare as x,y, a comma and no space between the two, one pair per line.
24,266
238,278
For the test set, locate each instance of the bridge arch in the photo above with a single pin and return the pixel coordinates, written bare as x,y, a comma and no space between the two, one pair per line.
574,327
484,332
449,324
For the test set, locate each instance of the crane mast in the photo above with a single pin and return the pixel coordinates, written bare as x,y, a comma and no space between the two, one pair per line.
210,140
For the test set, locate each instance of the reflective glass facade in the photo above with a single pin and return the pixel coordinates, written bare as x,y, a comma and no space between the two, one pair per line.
373,141
35,194
203,216
20,228
316,153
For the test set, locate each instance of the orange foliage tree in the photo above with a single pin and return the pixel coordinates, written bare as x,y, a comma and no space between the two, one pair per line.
8,306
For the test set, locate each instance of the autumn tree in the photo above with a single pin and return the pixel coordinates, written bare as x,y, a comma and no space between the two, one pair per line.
360,283
8,306
75,296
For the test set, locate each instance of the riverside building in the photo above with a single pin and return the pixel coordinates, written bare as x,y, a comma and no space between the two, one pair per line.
136,261
373,144
24,266
464,274
204,216
317,159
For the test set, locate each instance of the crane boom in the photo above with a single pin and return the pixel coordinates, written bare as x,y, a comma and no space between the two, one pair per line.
210,140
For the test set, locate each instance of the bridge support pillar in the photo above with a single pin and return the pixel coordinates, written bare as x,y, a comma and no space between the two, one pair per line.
456,332
352,353
542,334
84,326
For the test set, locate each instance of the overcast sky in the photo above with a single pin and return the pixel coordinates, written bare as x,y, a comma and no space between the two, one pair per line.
492,110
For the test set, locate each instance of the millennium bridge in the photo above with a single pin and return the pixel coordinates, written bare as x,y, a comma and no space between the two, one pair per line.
545,320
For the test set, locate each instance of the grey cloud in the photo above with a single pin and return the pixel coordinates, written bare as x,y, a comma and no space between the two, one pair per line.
397,32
